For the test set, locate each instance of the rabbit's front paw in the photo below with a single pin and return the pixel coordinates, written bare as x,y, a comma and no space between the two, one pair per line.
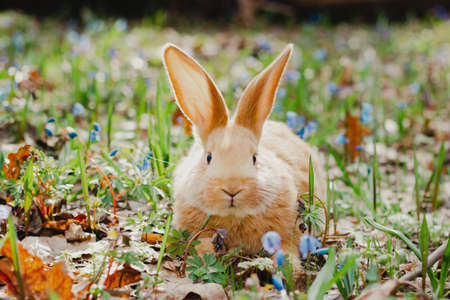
205,246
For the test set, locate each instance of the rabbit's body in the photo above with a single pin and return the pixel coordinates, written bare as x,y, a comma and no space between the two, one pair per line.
244,172
284,169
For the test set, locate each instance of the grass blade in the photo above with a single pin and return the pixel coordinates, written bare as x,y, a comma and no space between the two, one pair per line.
423,245
15,256
439,167
416,185
84,185
311,191
444,269
163,244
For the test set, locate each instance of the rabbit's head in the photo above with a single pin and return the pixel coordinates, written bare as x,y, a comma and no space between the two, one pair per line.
229,176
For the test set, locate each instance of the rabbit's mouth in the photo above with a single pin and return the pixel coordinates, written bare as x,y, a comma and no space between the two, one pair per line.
231,195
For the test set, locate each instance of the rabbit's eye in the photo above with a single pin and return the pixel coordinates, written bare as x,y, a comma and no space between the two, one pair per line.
208,158
254,159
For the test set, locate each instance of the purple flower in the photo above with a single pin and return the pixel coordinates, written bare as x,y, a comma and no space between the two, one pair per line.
277,282
78,109
271,241
308,245
359,148
279,257
341,139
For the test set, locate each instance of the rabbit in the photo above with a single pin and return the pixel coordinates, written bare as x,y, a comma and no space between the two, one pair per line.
246,172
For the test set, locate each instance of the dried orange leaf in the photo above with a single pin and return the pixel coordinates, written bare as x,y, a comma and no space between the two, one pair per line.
38,279
151,238
355,133
123,277
16,160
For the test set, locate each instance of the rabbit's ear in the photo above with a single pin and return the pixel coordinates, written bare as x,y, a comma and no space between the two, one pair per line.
195,92
257,99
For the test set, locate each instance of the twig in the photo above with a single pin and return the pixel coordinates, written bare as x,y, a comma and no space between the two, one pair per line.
432,259
188,246
327,220
420,294
111,190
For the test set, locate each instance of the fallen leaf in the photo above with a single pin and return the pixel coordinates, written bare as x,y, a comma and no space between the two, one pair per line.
123,277
37,278
380,292
151,238
183,288
355,133
16,160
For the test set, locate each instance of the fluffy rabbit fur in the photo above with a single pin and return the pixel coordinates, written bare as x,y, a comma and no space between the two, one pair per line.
245,171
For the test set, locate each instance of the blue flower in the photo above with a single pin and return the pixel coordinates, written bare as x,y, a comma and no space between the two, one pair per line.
72,134
359,148
121,24
114,152
271,241
320,54
264,45
414,87
78,109
292,75
94,136
149,155
366,113
49,132
97,127
301,133
322,251
332,87
402,105
311,127
144,166
277,108
4,92
281,93
279,257
308,244
277,282
51,120
291,119
341,139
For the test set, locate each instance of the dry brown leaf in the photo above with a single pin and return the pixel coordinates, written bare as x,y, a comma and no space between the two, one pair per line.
123,277
37,278
355,133
380,292
16,160
182,287
151,238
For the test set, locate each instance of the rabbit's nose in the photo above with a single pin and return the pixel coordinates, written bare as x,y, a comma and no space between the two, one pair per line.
230,193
